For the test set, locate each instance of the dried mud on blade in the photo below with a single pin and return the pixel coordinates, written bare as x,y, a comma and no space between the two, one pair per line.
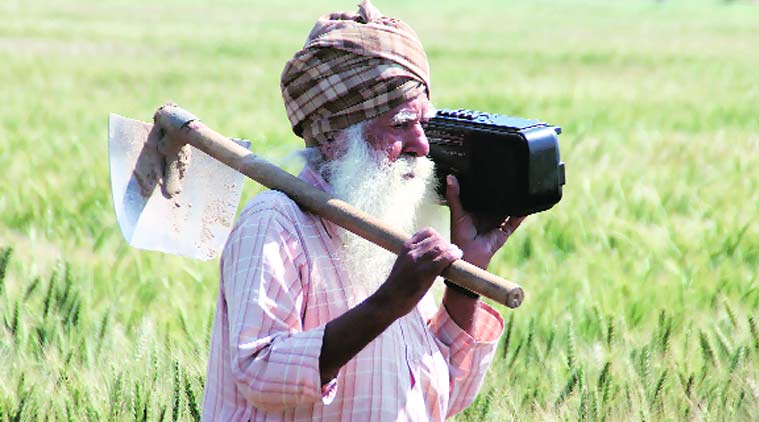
194,223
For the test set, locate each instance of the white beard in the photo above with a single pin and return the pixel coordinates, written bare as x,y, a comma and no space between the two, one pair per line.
393,192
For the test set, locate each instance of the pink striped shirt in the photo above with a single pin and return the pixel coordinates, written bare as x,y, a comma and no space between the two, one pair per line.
280,284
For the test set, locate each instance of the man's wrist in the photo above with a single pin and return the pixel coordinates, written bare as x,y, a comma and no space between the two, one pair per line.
458,289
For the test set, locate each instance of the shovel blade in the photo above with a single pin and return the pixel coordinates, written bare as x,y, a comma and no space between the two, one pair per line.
195,222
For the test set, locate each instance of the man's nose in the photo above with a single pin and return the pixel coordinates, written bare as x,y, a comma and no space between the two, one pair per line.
416,143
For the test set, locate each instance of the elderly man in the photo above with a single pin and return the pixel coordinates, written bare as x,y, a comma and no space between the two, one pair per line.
314,323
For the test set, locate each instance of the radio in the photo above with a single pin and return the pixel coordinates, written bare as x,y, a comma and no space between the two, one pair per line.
507,166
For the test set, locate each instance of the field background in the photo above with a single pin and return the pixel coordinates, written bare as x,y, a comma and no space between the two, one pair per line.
642,292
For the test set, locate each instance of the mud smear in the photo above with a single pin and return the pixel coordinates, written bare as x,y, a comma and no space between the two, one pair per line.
175,167
215,214
148,168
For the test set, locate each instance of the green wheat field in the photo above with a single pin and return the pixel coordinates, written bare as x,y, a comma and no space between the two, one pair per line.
642,285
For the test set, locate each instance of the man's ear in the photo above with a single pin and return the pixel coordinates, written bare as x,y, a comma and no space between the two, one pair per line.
327,150
334,147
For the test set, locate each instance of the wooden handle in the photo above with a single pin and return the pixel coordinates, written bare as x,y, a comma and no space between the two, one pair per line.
183,127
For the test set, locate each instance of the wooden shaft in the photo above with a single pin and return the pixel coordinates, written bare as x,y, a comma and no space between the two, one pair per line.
184,128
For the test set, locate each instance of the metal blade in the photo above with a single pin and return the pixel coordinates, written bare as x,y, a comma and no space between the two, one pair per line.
194,223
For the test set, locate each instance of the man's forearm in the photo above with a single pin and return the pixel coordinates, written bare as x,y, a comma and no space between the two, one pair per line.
422,258
347,334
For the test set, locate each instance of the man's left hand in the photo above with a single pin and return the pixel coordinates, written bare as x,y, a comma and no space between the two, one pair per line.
478,244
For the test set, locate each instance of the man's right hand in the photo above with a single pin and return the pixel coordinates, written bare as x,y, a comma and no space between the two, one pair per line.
421,260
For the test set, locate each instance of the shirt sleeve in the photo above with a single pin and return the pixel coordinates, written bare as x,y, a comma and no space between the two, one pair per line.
470,355
274,362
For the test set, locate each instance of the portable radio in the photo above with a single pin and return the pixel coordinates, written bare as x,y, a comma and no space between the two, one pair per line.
507,166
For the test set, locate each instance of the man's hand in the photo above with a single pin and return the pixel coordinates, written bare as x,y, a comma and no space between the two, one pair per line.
477,240
421,260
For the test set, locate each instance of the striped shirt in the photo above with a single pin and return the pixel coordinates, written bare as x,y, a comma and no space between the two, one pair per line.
280,284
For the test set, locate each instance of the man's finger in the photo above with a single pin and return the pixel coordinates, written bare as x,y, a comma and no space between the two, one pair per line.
511,224
420,236
423,246
452,192
501,234
446,256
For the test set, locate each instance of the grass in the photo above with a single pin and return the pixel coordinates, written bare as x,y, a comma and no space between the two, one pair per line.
641,284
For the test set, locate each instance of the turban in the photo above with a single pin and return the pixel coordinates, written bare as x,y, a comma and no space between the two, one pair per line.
353,67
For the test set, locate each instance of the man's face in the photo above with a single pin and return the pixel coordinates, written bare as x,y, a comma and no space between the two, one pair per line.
381,168
399,131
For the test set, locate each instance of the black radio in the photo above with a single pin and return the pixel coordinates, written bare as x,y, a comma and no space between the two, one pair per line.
507,166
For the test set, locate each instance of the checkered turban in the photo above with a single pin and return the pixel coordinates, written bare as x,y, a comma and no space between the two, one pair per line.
353,67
